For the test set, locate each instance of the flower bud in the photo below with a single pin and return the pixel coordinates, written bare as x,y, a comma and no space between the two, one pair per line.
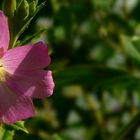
36,2
23,10
32,8
9,7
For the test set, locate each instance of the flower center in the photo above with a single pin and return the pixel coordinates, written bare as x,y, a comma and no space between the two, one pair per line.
2,73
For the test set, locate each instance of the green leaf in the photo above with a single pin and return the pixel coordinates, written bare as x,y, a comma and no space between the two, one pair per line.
30,19
130,49
30,38
18,26
20,126
6,134
16,126
97,77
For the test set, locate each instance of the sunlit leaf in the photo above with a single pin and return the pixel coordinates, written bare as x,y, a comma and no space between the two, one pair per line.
16,126
20,126
130,49
6,134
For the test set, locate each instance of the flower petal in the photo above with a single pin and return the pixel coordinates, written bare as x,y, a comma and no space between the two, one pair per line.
37,84
13,106
26,58
4,33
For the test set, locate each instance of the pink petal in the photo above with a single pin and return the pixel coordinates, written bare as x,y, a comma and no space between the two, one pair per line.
37,84
4,33
26,58
14,107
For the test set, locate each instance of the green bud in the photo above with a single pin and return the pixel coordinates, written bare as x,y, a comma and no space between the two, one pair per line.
23,10
32,8
36,2
9,7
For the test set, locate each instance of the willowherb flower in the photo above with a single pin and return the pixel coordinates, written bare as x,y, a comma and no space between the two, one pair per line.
22,77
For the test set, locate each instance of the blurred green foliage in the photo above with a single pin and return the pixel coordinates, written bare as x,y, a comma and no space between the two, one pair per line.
95,51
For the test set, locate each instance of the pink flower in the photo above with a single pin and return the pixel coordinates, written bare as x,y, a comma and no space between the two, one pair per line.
21,76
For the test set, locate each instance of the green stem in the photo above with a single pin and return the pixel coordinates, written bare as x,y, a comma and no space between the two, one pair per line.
13,36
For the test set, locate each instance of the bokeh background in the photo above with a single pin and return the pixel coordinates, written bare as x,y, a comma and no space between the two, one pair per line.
94,46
